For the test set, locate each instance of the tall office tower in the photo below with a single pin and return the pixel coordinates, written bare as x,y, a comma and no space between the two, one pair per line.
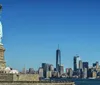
85,65
45,67
58,59
94,74
96,65
76,62
61,68
51,70
85,73
90,70
70,72
80,64
40,71
49,74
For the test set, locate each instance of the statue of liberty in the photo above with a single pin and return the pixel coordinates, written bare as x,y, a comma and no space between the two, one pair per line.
1,33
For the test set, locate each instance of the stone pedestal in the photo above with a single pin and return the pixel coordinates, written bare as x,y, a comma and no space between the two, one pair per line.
2,60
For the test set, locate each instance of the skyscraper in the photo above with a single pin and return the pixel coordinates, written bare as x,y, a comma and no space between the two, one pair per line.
94,74
85,65
84,72
80,64
61,68
58,59
40,71
47,71
45,67
76,62
96,65
70,72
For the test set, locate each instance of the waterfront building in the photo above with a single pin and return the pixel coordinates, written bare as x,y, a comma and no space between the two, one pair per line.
64,75
98,74
90,72
54,74
47,70
94,74
70,72
85,73
45,67
79,73
49,74
61,69
40,72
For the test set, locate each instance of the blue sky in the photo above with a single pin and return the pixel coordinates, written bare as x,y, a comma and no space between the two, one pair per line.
34,28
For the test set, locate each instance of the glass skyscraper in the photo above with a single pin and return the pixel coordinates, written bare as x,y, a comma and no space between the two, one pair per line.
58,60
76,62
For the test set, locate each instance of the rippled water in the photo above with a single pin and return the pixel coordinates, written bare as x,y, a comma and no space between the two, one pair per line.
87,82
81,81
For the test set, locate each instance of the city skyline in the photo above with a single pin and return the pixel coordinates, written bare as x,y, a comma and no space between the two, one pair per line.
32,31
